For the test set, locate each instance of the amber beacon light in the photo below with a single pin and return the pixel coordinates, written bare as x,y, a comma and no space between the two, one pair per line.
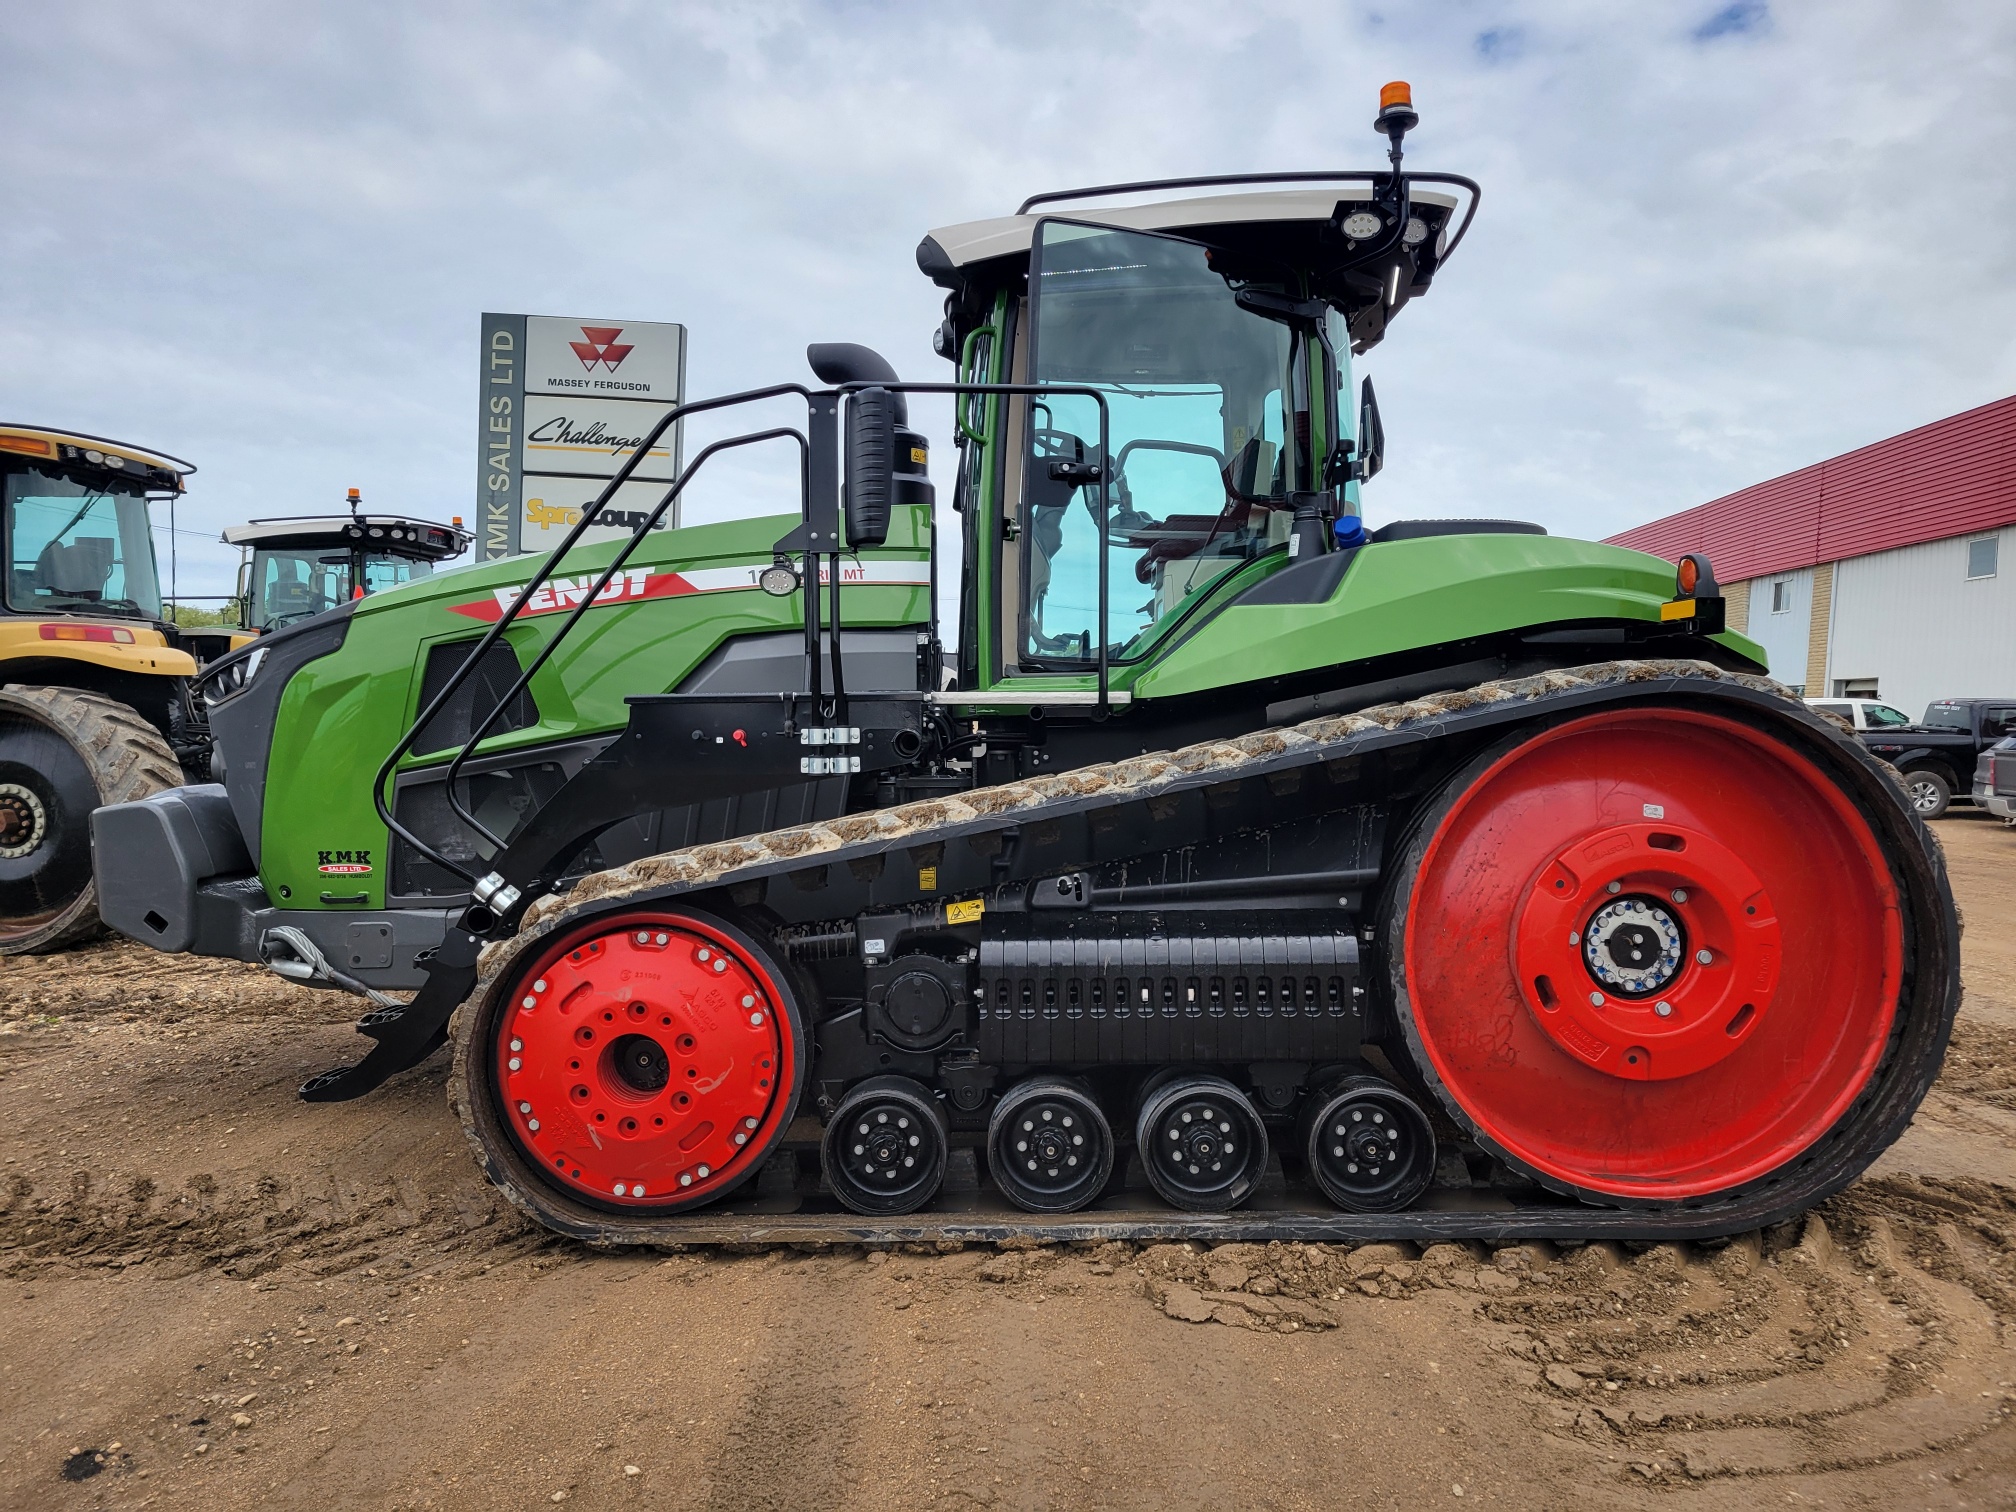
1396,108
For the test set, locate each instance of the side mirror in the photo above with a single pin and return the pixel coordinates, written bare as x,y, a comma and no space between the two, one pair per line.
871,465
1371,434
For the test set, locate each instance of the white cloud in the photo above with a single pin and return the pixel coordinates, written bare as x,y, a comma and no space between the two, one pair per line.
260,235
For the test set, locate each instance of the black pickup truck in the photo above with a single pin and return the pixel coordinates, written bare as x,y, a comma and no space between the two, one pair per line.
1937,754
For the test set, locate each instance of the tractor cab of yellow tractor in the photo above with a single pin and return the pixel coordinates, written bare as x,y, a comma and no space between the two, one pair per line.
294,568
79,539
95,683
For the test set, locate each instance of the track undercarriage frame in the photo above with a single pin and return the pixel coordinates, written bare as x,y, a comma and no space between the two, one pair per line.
816,887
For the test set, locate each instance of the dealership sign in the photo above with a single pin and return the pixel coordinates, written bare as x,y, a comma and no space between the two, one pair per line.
564,404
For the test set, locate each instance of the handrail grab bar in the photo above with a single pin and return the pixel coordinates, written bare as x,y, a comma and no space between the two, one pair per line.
588,602
538,578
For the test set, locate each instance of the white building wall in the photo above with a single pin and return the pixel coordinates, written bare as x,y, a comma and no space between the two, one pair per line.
1914,621
1784,633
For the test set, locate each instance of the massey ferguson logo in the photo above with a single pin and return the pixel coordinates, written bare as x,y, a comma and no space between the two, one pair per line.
601,348
343,862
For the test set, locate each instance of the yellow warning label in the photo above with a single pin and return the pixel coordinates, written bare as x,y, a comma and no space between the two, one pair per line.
918,455
927,878
968,912
1677,609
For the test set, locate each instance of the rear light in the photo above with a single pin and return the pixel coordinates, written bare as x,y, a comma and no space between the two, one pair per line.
104,634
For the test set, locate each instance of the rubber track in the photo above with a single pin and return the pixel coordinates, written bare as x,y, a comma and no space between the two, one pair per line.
1928,1001
127,758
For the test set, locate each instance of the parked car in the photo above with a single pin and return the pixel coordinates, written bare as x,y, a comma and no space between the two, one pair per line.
1995,779
1863,713
1939,752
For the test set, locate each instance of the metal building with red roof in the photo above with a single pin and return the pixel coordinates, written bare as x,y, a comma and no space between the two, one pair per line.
1876,573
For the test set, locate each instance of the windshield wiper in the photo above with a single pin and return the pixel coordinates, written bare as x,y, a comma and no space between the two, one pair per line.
83,510
124,608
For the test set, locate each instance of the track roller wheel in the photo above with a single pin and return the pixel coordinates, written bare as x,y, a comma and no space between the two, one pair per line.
643,1063
1646,955
1049,1146
64,753
1201,1142
884,1152
1368,1145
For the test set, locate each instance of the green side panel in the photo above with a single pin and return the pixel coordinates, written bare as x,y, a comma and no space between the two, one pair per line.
341,714
1401,595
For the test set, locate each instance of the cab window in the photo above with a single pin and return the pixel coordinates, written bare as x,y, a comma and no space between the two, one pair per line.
382,572
291,585
77,547
1197,454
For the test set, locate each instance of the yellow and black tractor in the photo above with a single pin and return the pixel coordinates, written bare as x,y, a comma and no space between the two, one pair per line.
96,694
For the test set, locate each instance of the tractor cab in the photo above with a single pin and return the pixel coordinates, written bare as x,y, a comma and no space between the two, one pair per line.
78,542
1211,337
294,568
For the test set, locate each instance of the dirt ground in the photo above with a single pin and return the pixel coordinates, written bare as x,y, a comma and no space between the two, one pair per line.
213,1295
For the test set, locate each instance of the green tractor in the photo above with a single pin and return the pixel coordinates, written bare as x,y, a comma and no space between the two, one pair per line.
1244,872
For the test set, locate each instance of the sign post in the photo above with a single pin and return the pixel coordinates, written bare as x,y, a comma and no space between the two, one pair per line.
564,403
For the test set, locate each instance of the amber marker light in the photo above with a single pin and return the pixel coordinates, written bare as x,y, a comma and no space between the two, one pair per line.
1688,575
33,446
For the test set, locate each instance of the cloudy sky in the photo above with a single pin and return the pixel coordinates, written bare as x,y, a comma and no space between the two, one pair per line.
1718,241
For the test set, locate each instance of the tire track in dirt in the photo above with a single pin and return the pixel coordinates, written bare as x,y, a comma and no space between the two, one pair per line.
1873,1335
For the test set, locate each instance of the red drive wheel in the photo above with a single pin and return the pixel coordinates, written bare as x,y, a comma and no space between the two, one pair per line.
648,1062
1646,955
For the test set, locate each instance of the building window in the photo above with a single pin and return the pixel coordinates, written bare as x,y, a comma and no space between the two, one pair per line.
1781,596
1981,556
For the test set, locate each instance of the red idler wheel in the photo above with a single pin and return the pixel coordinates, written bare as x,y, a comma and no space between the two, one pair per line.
1646,954
647,1062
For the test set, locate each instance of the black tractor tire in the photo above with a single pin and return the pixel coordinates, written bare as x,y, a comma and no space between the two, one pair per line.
63,753
1931,794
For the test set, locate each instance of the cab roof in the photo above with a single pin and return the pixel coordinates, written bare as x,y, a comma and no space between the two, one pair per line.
1301,227
405,535
971,242
78,449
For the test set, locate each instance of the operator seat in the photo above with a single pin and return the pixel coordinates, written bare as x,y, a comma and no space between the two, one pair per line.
80,569
1181,536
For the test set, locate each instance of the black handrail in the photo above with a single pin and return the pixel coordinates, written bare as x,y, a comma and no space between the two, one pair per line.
588,602
1105,478
810,586
544,571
